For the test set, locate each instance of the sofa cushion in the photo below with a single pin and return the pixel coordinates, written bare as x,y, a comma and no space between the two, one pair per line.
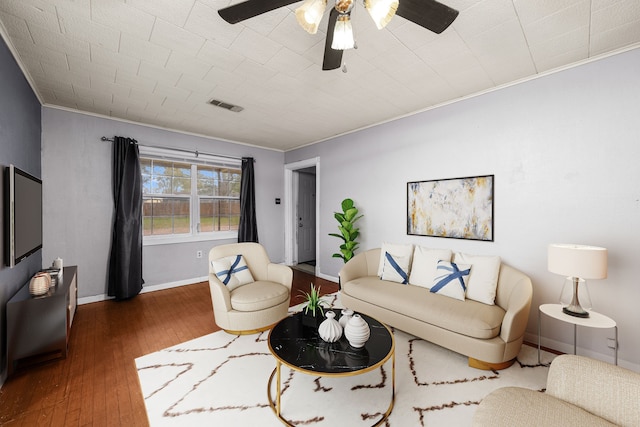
424,264
451,279
396,268
258,295
468,317
394,249
483,280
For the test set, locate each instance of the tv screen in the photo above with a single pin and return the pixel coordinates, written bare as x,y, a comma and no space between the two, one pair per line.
23,215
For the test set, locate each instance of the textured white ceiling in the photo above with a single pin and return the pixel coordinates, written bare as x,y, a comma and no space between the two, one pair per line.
158,62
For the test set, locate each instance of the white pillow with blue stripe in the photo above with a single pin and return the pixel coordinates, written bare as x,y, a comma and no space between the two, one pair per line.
232,271
451,279
483,281
396,268
395,249
424,265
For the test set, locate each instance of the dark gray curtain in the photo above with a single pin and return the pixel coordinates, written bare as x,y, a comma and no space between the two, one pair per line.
125,261
248,228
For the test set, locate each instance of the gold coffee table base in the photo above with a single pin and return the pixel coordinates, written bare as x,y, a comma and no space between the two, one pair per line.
276,405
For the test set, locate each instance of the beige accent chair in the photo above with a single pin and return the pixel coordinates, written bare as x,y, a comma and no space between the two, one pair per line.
580,392
256,306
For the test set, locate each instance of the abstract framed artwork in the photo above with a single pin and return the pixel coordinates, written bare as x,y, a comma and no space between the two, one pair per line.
459,208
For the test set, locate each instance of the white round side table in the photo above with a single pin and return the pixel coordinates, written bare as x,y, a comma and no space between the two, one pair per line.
595,320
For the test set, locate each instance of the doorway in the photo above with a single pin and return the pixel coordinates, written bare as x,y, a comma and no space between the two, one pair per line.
301,207
306,214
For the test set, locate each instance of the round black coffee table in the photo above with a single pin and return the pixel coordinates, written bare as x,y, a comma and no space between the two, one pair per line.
300,348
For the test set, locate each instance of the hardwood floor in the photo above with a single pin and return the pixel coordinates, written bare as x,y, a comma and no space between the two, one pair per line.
97,384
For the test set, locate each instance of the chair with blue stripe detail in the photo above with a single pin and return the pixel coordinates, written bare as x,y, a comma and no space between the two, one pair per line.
253,307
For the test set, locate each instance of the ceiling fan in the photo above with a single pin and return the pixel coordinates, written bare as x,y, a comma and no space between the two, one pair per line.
430,14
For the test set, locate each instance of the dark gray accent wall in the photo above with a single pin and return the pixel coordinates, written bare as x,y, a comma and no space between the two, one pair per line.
20,118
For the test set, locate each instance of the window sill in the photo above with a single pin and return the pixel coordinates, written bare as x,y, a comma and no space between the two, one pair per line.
172,240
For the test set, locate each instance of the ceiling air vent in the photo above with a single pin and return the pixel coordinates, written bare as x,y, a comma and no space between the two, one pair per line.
230,107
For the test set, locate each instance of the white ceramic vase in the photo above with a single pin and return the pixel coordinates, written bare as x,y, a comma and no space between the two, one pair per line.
330,330
357,331
347,313
39,284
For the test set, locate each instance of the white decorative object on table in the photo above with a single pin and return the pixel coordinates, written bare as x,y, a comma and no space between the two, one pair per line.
330,330
39,284
357,331
347,313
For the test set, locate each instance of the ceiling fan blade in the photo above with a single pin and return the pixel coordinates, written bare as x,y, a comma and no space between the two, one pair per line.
430,14
332,57
248,9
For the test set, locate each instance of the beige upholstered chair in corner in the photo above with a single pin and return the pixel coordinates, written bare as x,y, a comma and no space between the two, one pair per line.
252,307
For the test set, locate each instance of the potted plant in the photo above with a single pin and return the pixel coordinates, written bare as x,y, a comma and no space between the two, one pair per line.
313,305
348,232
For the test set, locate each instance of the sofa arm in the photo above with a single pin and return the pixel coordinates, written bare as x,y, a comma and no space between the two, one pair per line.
220,295
518,306
606,390
361,265
280,274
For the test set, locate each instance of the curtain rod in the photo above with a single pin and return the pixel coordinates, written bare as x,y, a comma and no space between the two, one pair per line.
196,152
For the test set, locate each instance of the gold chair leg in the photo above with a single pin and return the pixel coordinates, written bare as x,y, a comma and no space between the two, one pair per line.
486,366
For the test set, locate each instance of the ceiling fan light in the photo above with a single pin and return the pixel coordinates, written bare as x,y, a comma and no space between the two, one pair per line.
310,13
381,11
343,34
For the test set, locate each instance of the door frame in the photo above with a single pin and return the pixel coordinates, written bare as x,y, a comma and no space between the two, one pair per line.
290,200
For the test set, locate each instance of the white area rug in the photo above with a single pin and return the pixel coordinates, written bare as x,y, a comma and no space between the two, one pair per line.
221,380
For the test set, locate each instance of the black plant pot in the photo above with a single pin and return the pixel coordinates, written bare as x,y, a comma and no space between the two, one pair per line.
311,321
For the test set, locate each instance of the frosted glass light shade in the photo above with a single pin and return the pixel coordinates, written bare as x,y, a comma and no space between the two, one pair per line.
381,11
567,296
343,34
310,13
585,262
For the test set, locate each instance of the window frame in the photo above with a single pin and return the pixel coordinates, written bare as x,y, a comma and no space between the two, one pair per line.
193,159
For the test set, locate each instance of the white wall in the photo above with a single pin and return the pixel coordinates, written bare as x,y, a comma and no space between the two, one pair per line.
564,150
78,203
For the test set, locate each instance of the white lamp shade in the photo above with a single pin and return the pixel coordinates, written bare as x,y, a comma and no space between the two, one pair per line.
343,34
381,11
581,261
310,13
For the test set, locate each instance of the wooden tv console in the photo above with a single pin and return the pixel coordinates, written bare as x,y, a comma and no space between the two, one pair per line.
38,327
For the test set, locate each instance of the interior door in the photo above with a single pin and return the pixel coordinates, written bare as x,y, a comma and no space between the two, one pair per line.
306,216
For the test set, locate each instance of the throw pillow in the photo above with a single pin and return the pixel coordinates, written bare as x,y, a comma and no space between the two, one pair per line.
424,264
396,268
483,281
451,279
232,271
396,250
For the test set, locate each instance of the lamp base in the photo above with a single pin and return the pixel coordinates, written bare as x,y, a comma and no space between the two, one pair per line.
582,313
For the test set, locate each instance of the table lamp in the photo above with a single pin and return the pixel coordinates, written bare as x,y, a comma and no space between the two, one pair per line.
578,262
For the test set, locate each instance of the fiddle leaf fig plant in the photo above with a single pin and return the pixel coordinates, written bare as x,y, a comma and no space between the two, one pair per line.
348,232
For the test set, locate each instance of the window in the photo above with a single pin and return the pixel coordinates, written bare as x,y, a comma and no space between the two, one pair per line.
185,198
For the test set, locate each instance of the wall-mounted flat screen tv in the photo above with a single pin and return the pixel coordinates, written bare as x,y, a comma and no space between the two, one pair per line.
22,215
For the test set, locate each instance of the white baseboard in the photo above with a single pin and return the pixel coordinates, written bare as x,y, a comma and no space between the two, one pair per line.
567,348
327,277
145,289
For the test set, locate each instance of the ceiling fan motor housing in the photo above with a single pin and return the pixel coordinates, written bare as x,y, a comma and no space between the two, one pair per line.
344,6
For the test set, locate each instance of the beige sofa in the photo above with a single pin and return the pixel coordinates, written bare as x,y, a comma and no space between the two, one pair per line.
580,392
490,335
